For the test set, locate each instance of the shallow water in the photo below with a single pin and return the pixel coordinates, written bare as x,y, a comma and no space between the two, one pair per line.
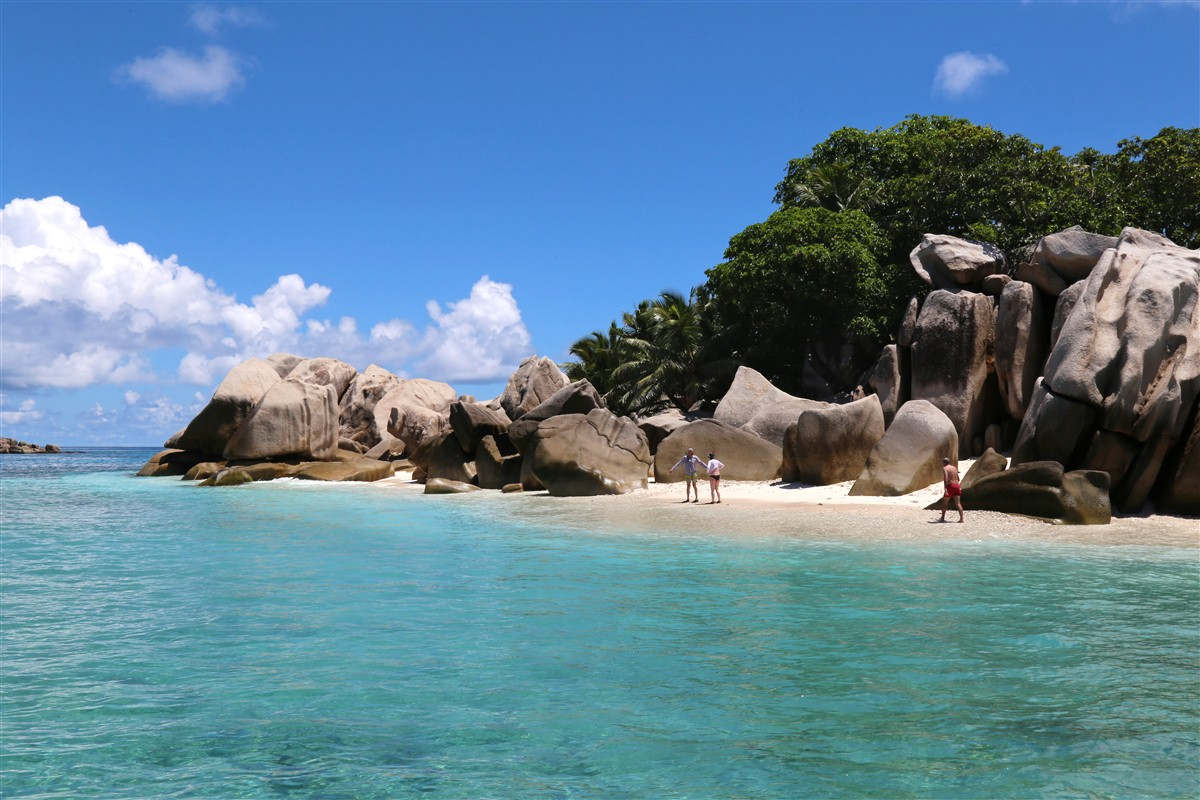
292,639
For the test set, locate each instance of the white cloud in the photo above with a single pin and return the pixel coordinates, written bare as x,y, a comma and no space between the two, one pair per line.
178,76
131,397
82,309
209,18
25,413
964,71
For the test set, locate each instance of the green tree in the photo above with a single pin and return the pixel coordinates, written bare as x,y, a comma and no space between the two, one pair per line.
1161,181
795,288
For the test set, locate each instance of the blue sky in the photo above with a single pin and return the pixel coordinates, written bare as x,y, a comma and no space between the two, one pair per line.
580,156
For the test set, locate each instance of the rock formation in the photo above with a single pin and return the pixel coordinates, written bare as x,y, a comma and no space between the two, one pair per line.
831,445
1043,489
535,380
1021,344
17,447
578,397
747,457
590,454
909,456
357,405
231,405
293,418
950,263
473,421
756,405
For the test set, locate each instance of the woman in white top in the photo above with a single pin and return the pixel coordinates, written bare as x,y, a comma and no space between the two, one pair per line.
714,468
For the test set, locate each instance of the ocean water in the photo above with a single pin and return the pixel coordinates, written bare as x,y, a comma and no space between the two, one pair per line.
303,640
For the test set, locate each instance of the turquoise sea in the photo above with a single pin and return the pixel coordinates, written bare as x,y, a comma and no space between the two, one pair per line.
304,640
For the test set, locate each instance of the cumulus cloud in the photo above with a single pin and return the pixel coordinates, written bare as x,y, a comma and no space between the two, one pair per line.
179,76
24,413
82,309
210,19
963,71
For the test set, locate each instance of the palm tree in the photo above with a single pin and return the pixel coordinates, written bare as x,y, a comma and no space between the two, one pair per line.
833,186
598,356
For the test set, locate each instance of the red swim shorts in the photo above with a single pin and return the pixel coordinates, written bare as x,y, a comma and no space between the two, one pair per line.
953,490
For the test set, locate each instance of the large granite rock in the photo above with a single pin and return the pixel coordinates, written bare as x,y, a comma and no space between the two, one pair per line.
389,449
473,421
357,405
987,464
325,372
293,418
348,467
659,426
494,469
442,457
283,363
909,456
232,404
590,454
1063,307
416,426
831,445
1126,363
579,397
756,405
1073,252
1043,489
534,382
446,486
1179,491
170,462
1021,344
1042,276
947,262
908,323
952,356
747,457
415,393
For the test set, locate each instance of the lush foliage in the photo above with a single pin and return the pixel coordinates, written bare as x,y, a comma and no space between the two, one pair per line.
661,355
809,295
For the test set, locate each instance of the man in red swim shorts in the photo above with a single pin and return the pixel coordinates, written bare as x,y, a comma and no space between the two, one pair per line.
953,489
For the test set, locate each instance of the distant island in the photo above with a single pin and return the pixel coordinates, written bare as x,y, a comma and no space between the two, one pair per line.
15,447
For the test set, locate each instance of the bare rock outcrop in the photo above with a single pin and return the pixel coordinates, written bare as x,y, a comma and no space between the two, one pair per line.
232,404
1021,344
831,445
951,263
325,372
357,405
293,418
909,456
590,454
534,381
747,457
758,406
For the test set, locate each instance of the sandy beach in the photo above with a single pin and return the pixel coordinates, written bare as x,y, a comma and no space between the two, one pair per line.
810,512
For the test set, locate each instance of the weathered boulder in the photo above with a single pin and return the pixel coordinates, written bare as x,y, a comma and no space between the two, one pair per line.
293,418
389,449
348,467
473,421
756,405
1042,489
1021,344
947,262
886,379
442,457
529,481
987,464
205,469
232,476
1063,308
1124,373
909,456
351,445
416,426
270,470
357,405
446,486
534,382
578,397
831,445
952,356
747,457
1041,276
908,323
1073,252
993,285
283,363
416,395
325,372
170,462
590,454
510,488
659,426
232,404
494,470
1131,346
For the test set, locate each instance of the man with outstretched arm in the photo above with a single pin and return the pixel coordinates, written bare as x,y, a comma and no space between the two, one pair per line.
953,489
713,468
689,462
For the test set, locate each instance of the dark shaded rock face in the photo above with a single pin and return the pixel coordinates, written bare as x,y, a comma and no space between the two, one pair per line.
170,462
1043,489
442,457
1021,344
746,457
590,454
987,464
886,379
1123,379
356,408
952,358
473,421
446,486
951,263
494,470
909,456
831,445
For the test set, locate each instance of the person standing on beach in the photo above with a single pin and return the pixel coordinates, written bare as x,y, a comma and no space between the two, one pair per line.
714,468
689,462
953,489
